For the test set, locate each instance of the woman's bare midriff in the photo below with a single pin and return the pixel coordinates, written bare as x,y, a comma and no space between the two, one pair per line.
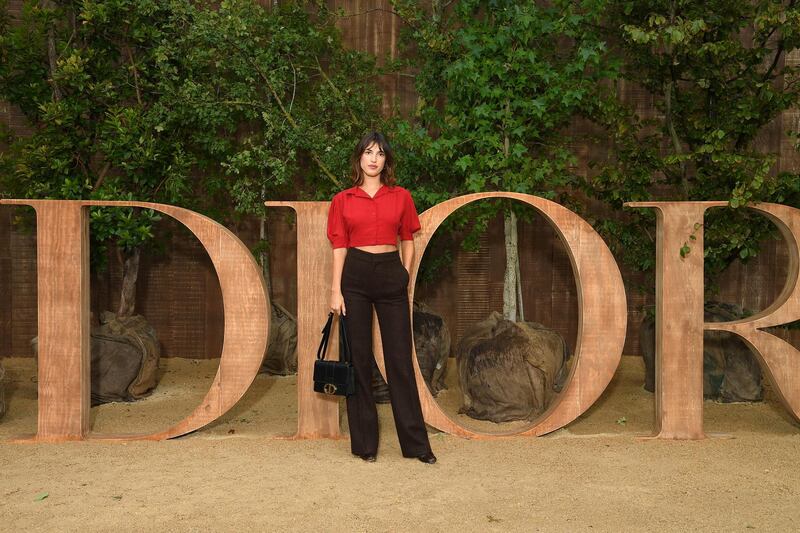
377,248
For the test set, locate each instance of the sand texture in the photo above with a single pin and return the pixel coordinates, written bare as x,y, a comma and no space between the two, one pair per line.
239,474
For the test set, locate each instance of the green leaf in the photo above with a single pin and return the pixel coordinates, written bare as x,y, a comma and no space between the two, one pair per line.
41,496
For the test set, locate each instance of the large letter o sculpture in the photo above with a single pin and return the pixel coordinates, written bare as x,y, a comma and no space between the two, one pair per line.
602,319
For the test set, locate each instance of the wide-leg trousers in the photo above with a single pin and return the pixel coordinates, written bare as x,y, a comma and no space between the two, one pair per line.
381,280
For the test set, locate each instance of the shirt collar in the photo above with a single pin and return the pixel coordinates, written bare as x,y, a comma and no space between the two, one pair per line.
357,191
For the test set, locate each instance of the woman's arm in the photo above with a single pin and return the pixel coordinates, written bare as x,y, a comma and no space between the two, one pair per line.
409,224
337,300
407,254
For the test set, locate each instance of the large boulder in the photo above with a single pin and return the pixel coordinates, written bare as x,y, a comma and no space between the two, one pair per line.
731,372
281,356
124,358
509,370
432,344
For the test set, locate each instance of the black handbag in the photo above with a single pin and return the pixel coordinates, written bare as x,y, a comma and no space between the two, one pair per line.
336,378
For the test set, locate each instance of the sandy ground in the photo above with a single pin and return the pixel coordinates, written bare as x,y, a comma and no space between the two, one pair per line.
595,475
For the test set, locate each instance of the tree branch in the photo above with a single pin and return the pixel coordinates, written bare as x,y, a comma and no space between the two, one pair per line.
135,74
290,119
294,86
368,11
82,165
766,38
335,90
101,176
775,60
373,9
52,60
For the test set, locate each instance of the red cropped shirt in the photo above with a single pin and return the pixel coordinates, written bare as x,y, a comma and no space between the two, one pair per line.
356,219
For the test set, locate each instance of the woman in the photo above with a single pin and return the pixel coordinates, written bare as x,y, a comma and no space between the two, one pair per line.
363,226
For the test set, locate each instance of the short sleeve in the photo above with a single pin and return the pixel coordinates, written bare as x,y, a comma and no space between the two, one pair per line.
337,232
409,221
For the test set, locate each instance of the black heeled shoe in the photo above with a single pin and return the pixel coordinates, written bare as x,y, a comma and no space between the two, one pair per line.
427,458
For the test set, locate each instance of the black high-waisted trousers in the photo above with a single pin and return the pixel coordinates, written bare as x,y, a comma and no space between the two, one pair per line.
381,280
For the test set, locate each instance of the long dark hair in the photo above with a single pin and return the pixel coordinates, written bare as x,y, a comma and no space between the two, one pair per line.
387,174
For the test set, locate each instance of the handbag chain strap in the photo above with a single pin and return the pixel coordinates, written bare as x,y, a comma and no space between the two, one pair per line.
344,343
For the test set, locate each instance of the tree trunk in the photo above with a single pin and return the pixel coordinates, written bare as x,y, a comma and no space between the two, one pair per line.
512,286
130,273
51,52
511,279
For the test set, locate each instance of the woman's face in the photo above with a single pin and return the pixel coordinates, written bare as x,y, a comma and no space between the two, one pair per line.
372,161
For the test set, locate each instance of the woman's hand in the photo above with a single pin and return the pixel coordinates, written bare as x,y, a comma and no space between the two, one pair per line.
337,303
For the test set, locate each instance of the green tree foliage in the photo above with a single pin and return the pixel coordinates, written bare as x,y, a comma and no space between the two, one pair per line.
217,106
718,73
198,104
290,98
500,82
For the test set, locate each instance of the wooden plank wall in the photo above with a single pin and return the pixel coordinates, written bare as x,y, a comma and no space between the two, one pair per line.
178,292
369,26
6,303
476,279
20,325
180,295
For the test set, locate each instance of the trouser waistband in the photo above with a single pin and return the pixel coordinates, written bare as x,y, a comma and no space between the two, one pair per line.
381,257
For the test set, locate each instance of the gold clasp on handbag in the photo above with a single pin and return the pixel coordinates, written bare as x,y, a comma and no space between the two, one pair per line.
329,388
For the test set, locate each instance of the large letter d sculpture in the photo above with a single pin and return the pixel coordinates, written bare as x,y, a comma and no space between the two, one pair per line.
63,251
